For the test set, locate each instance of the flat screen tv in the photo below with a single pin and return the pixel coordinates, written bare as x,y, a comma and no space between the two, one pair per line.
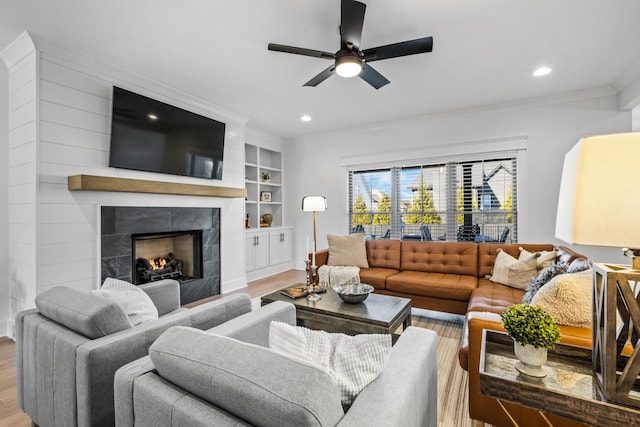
149,135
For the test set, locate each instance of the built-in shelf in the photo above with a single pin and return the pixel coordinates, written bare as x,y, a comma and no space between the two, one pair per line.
107,183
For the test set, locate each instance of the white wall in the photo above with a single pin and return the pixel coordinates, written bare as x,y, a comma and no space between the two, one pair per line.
4,198
60,112
546,127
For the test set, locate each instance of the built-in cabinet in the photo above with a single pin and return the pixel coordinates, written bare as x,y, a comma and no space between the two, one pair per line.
269,249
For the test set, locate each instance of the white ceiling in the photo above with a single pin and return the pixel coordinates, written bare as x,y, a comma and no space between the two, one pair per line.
484,51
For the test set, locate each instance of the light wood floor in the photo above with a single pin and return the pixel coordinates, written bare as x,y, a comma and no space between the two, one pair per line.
452,380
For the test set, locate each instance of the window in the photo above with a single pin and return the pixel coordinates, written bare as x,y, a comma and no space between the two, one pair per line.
451,201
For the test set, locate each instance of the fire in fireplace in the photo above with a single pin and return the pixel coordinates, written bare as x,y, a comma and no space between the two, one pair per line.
173,255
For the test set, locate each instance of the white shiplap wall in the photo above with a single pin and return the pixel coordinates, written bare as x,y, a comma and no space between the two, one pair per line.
60,115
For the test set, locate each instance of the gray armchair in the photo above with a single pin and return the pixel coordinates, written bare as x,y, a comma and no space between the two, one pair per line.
69,348
198,379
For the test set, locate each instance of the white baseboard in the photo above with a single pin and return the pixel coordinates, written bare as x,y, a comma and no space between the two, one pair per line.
6,329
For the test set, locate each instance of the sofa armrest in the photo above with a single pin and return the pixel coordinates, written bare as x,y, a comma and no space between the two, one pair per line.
165,295
478,320
254,327
123,389
322,257
405,393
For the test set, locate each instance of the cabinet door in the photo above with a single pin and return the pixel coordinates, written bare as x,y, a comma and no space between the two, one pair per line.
256,251
262,250
280,246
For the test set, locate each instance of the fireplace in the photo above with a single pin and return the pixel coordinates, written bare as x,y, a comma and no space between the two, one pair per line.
188,235
169,255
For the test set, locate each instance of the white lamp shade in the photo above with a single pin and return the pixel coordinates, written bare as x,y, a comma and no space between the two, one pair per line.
599,193
314,203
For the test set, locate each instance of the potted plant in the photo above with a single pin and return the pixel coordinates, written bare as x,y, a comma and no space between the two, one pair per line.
534,331
265,176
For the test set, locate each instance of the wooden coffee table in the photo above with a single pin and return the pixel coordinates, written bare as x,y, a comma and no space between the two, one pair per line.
378,314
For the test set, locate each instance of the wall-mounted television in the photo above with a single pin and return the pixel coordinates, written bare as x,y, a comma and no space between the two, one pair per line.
149,135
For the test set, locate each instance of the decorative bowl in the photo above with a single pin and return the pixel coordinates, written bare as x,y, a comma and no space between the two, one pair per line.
354,293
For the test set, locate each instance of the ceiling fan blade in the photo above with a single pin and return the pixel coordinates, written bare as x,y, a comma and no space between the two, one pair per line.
351,21
301,51
324,75
371,76
409,47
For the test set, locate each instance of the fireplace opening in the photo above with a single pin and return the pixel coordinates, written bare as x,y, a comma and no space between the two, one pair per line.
171,255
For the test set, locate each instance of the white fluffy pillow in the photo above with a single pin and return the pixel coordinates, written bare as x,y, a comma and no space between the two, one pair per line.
133,301
567,297
513,272
353,361
545,258
347,250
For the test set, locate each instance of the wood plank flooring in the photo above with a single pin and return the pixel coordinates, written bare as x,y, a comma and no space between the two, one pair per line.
452,380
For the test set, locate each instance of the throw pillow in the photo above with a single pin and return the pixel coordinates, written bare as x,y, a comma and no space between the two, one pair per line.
542,278
133,301
567,297
544,258
353,361
347,250
513,272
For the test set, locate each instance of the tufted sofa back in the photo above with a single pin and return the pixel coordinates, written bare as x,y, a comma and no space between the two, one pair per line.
440,257
383,253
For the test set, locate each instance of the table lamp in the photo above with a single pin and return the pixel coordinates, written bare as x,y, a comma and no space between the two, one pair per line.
598,203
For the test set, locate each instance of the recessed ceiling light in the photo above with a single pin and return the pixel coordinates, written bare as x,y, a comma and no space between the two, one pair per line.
152,116
306,118
542,71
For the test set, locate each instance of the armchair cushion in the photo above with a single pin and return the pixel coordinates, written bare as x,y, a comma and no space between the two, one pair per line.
353,361
135,302
247,379
86,314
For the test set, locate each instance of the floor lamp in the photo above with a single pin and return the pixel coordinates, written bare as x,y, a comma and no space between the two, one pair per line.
313,204
598,205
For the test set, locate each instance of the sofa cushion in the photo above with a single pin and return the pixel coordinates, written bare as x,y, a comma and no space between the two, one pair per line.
383,253
513,272
440,257
86,314
437,285
135,302
493,297
567,297
347,250
254,383
353,361
377,276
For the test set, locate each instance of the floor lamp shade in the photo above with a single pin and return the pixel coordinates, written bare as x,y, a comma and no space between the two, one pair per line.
314,204
600,192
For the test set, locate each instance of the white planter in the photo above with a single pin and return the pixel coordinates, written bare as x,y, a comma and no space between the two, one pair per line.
531,359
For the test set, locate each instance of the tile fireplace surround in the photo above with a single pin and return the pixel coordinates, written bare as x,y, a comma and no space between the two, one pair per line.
120,222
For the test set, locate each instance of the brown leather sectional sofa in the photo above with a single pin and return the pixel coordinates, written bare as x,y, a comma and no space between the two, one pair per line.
453,277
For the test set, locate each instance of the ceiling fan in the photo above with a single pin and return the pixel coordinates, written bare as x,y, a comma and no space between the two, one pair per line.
350,60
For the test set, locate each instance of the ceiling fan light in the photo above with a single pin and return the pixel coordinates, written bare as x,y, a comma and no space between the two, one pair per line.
348,66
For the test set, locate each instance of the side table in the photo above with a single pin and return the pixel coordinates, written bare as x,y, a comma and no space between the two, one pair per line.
569,389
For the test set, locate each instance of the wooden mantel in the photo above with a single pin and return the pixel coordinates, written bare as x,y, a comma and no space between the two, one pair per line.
106,183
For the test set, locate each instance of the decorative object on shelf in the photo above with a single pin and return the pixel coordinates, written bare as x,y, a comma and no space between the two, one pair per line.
533,331
246,222
598,206
353,294
265,196
267,219
265,177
